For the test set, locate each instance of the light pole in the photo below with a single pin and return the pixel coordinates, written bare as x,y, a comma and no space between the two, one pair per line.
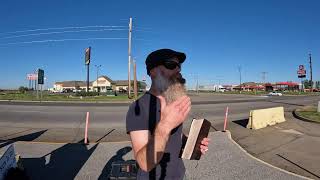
196,79
97,66
129,58
310,62
239,69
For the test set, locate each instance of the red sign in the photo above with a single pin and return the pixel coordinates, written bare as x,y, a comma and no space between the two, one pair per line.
301,72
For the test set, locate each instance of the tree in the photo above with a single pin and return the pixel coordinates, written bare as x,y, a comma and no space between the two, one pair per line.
23,89
318,84
307,84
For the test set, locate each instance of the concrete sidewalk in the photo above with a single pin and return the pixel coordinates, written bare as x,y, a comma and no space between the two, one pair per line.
224,160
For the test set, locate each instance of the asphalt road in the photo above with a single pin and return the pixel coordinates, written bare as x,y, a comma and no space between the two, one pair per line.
65,123
291,145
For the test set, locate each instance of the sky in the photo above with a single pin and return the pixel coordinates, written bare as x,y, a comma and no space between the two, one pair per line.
217,36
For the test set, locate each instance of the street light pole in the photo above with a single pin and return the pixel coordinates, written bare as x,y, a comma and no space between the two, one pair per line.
239,68
129,58
311,82
97,66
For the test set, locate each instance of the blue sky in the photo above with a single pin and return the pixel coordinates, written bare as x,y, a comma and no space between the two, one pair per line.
217,36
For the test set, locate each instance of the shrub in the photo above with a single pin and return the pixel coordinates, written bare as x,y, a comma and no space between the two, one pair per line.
83,93
23,89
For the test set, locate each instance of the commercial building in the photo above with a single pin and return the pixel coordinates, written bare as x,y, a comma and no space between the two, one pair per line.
102,84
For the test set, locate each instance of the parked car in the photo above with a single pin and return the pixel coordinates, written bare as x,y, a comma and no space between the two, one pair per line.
275,93
76,90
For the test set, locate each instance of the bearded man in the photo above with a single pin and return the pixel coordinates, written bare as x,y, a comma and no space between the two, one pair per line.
154,121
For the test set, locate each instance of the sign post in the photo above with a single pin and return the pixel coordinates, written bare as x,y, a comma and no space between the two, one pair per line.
301,74
40,81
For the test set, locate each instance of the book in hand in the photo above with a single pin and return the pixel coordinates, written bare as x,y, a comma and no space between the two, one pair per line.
199,129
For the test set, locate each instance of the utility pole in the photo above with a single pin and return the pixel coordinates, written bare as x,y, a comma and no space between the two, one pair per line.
264,77
239,69
129,59
35,81
37,85
97,66
196,79
311,82
135,79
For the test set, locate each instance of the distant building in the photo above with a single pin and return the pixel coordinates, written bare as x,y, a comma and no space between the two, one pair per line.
286,86
216,88
102,84
70,86
280,86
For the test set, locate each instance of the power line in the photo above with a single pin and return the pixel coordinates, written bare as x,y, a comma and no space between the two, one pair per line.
142,28
61,40
60,32
61,28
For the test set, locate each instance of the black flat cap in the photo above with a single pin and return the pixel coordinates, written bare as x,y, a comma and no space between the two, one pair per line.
156,57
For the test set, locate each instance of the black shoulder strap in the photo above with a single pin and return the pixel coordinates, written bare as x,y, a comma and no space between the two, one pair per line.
152,113
152,124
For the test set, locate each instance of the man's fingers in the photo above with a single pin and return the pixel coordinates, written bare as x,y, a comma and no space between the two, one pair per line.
203,150
203,147
185,104
205,141
179,100
186,111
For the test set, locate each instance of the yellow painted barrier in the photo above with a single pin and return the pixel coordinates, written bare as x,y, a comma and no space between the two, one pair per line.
261,118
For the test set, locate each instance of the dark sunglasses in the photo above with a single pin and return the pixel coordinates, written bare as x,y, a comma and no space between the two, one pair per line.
171,65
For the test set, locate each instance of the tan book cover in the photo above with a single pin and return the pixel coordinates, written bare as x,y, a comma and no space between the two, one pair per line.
199,129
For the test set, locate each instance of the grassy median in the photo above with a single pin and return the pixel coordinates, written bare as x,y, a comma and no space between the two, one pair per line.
309,112
32,96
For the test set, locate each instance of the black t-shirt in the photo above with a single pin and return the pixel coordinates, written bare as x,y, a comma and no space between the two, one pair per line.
144,114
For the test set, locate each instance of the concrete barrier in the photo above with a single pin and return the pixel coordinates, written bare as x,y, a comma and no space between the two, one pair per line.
261,118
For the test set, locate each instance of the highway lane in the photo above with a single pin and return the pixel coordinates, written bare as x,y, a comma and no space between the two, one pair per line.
64,121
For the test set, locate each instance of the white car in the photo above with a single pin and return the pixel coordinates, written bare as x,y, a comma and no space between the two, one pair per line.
275,94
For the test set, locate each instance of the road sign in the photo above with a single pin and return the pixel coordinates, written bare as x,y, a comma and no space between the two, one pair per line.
40,76
87,55
301,72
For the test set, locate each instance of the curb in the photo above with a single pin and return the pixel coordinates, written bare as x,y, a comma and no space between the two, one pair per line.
303,118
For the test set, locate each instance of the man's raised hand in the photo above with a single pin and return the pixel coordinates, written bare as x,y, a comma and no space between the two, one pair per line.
172,115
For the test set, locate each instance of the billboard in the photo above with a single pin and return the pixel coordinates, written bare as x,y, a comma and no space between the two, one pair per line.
301,72
87,56
32,76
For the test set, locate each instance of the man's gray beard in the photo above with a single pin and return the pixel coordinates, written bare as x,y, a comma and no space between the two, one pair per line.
170,89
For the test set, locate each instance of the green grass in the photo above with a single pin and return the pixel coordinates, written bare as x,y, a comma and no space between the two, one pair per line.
246,92
264,93
301,93
309,113
32,96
